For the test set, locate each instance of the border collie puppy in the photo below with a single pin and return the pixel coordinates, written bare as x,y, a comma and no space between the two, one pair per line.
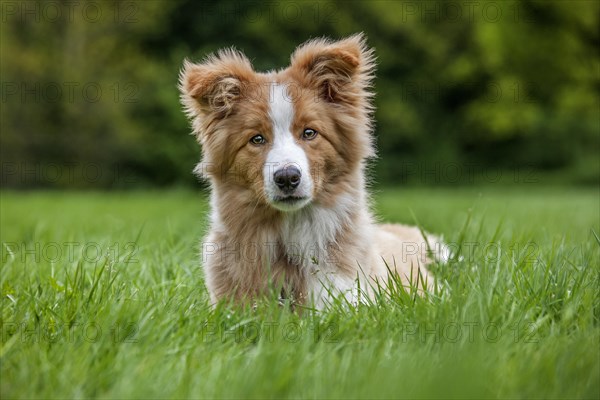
285,154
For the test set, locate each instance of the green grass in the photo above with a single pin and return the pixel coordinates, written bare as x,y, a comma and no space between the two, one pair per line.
102,296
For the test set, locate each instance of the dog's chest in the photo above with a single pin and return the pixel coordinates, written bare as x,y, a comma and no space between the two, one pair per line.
307,238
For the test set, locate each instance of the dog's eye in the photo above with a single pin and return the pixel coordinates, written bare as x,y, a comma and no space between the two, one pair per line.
309,134
258,140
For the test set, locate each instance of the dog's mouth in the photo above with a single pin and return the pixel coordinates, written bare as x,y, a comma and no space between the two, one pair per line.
290,203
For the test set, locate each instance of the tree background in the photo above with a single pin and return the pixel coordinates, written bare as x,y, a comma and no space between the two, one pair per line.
467,91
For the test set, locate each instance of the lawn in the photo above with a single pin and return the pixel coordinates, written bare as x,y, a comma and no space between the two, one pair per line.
102,296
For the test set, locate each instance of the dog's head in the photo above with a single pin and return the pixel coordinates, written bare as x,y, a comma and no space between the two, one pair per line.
286,138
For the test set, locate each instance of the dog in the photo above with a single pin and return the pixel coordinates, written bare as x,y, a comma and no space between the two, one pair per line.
285,154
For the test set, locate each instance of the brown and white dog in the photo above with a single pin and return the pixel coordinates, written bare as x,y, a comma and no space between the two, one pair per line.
285,154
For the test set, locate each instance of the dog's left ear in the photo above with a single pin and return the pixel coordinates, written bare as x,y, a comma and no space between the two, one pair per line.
341,71
211,89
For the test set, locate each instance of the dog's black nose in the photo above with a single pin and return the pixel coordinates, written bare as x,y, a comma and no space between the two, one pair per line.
287,178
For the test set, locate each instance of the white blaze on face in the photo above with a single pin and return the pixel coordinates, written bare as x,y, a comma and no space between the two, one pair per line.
285,151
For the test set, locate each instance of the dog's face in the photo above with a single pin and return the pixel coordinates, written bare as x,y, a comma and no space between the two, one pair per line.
283,139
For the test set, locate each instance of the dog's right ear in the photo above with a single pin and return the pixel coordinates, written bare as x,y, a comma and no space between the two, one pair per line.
342,71
210,90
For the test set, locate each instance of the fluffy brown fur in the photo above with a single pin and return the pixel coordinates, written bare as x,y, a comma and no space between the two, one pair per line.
324,247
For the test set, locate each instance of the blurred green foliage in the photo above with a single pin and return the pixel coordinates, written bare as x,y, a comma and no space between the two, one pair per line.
89,89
